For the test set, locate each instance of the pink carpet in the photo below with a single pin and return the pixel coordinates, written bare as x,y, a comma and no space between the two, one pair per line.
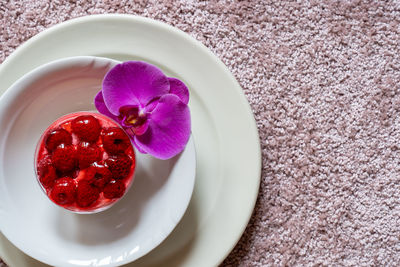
323,80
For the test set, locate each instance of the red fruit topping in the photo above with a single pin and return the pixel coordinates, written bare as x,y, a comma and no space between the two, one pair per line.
87,128
87,154
43,165
98,175
86,193
115,140
48,179
46,172
63,191
64,158
57,137
73,173
84,162
119,165
114,189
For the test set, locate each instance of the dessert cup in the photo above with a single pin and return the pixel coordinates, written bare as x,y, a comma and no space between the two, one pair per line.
88,185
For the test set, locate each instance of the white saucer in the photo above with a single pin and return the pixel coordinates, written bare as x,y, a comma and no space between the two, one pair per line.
135,225
227,144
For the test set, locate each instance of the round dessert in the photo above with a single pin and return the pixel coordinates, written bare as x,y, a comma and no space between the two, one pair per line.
84,162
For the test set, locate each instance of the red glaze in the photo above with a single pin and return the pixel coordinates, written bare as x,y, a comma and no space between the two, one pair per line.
119,165
86,194
86,127
98,175
63,191
114,189
114,140
57,137
87,154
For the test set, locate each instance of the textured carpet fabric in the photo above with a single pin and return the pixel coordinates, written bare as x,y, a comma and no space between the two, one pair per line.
323,80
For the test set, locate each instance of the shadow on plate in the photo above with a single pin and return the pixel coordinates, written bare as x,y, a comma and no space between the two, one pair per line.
119,220
178,245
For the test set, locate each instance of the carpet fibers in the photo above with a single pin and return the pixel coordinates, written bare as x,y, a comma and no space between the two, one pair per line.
323,81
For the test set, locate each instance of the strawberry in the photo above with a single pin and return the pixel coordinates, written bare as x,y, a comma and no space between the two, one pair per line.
115,140
86,193
63,191
87,128
64,158
114,189
57,137
119,165
87,154
98,175
46,172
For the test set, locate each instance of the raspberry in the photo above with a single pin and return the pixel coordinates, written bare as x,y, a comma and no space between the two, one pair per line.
43,164
98,175
115,140
119,165
46,172
64,158
87,128
73,173
86,193
57,137
87,154
114,189
63,191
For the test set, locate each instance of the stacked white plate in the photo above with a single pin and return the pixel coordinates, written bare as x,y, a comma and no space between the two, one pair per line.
227,155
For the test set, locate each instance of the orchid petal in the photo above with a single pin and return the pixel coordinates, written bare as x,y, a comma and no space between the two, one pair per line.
169,128
151,106
133,83
177,87
141,150
141,129
101,106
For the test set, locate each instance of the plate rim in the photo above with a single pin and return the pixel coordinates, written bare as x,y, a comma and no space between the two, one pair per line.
238,90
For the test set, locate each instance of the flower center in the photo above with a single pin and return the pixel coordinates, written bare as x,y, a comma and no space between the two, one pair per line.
134,118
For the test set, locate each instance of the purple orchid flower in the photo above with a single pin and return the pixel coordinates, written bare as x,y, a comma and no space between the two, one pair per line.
151,107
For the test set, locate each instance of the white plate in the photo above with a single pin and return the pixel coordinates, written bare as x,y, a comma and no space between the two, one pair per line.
135,225
227,144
